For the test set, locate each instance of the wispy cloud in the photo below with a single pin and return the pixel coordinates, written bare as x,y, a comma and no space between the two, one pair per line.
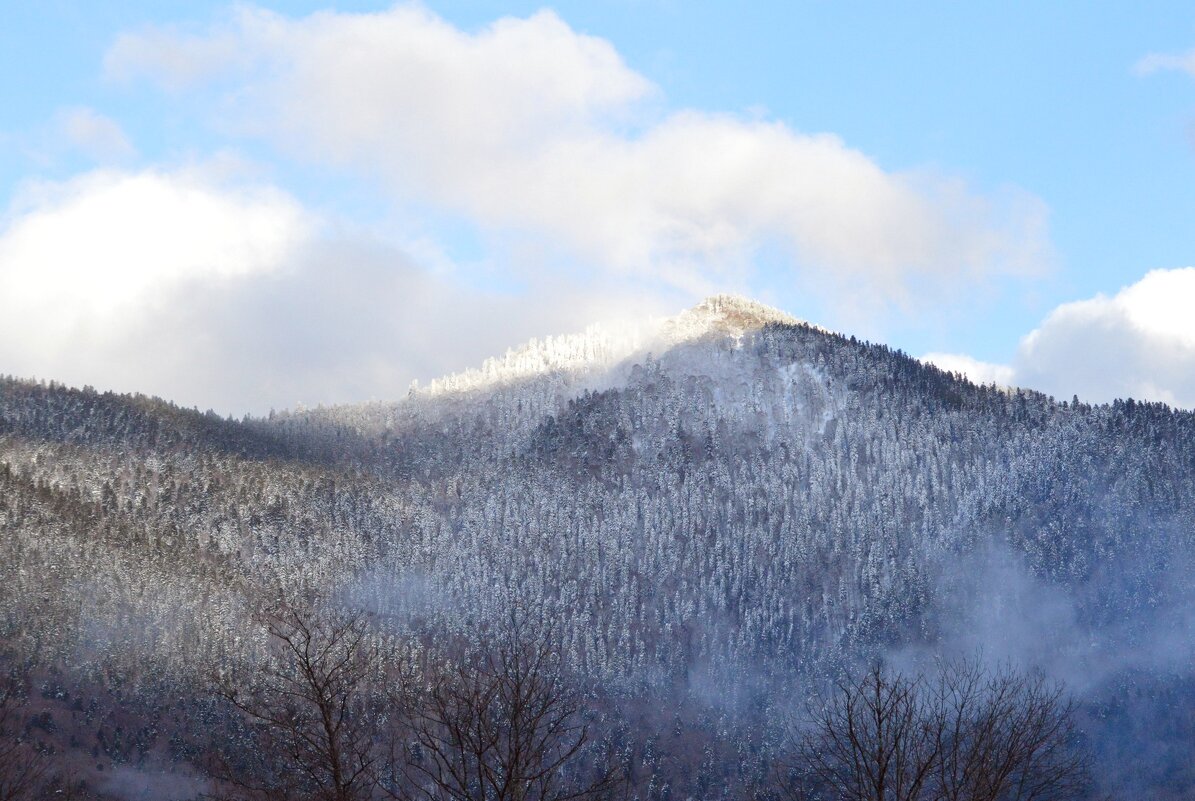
1166,62
97,136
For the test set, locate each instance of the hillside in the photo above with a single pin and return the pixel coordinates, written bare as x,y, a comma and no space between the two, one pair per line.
716,508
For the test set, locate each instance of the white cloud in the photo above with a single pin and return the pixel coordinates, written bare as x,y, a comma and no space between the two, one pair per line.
975,370
99,137
109,241
177,60
534,131
1162,62
1140,343
85,262
217,294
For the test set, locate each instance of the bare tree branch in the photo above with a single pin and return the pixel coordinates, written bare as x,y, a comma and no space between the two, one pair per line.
504,725
313,708
967,734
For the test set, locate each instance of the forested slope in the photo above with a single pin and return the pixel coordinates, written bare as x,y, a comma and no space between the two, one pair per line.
726,508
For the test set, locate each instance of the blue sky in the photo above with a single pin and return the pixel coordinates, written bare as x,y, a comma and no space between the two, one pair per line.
1055,162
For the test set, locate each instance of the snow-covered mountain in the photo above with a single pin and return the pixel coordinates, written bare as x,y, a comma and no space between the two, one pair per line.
719,508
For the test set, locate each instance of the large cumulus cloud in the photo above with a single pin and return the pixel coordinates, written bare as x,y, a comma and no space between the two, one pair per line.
532,130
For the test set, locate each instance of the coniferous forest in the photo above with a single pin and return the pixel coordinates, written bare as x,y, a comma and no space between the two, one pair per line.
733,556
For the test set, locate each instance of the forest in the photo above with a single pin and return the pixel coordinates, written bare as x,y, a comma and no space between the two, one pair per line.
735,556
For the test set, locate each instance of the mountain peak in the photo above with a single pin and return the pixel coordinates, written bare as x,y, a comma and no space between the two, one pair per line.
601,346
732,314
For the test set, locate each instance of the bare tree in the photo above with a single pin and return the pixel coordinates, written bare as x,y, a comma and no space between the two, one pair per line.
1004,736
967,734
506,726
312,708
870,740
501,723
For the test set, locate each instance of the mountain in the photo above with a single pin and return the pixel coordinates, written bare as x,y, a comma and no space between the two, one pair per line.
716,510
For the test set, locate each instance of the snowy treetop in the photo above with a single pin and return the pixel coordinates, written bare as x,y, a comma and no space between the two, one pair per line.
603,346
